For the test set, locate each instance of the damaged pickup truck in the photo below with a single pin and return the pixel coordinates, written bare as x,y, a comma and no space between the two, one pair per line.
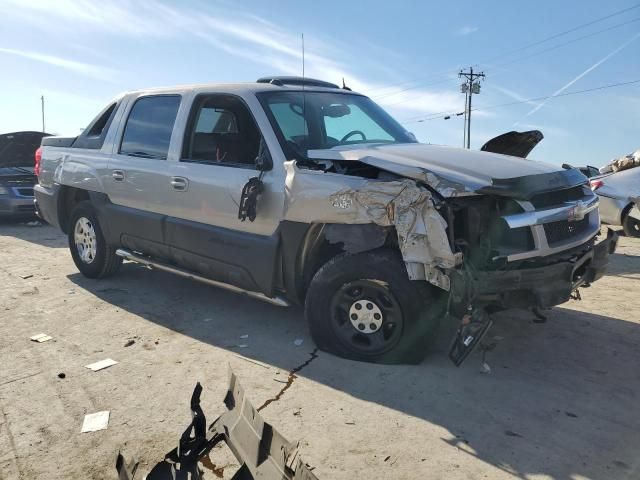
296,191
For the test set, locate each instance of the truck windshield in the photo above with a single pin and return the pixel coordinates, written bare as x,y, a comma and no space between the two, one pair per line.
321,120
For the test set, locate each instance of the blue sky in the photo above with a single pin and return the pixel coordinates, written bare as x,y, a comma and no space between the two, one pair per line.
405,55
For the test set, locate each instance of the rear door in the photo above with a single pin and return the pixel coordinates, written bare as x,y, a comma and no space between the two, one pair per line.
139,180
218,157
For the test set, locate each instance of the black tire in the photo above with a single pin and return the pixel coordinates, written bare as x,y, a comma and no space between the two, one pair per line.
410,311
630,225
104,262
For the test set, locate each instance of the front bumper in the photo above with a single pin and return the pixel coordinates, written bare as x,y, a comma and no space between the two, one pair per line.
545,286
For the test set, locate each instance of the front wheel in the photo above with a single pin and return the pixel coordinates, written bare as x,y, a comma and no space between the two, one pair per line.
364,307
90,252
631,226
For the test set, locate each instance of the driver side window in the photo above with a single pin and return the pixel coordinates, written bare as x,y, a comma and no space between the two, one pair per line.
221,131
354,120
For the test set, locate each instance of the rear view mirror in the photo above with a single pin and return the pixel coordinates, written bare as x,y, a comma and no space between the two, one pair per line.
336,111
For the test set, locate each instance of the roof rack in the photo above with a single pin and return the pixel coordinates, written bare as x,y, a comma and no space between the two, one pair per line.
297,81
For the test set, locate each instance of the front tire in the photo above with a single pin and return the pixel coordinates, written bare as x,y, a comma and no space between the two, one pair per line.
630,225
89,250
364,307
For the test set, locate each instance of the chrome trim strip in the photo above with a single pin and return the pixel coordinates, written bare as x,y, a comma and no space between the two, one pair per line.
127,255
575,210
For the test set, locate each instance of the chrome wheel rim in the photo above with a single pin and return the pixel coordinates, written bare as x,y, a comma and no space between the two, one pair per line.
85,239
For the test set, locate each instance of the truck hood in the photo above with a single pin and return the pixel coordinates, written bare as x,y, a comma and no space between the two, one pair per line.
17,149
454,169
518,144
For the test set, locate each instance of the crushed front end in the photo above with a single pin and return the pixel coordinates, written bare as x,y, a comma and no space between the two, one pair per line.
527,242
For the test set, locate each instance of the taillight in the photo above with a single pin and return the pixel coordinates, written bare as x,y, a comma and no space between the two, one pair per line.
38,158
596,184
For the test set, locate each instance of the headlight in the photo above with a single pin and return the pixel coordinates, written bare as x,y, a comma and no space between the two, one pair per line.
4,191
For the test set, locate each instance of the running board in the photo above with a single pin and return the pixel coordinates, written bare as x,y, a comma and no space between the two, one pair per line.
147,262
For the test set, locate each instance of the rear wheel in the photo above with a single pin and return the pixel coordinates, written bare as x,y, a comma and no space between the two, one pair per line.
631,226
364,307
89,250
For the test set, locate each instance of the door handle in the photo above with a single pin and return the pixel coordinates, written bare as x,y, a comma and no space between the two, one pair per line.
179,183
118,175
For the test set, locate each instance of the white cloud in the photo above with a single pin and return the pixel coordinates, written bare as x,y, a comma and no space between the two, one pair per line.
466,30
232,31
81,68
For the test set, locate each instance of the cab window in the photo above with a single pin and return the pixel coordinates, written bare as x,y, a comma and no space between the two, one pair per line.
221,131
147,133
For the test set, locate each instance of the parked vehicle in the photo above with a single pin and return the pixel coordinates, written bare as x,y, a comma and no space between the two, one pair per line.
16,173
297,191
620,199
587,170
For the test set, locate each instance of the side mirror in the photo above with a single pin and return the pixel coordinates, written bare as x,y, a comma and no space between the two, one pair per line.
263,160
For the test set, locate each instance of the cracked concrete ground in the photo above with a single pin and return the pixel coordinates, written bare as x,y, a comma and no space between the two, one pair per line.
561,401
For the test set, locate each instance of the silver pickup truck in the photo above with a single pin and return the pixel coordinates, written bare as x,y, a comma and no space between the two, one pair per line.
296,191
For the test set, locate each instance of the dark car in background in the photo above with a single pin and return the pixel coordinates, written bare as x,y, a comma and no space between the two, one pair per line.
17,176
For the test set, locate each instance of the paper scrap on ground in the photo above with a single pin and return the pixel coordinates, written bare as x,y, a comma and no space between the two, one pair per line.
298,341
41,337
95,421
246,335
107,362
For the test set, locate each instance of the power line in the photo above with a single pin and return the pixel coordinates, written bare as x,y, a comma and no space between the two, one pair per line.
567,43
516,60
544,40
439,115
524,47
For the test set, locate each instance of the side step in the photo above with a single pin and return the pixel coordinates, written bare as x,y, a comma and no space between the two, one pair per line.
134,257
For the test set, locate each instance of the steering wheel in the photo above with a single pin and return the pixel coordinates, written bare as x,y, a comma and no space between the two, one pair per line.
351,134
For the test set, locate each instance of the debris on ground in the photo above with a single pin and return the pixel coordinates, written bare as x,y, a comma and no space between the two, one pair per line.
24,277
61,375
34,223
259,448
106,363
298,341
246,335
485,368
130,342
41,337
95,421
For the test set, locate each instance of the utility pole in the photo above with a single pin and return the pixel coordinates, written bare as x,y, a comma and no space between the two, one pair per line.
42,101
469,87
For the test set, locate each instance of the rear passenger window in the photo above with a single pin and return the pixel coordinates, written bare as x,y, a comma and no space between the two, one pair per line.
147,133
221,131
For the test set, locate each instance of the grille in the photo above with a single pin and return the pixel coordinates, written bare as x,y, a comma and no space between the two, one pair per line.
25,192
565,230
557,197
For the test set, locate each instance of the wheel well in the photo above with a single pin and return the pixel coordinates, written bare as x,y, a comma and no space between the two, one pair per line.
326,241
69,198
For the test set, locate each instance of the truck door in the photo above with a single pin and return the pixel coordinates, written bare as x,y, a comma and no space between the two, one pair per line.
218,157
138,184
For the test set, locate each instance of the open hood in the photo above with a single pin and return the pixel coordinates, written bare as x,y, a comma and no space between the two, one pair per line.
516,144
17,149
455,168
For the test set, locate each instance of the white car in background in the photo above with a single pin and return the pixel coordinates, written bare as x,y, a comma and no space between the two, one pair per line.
620,199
